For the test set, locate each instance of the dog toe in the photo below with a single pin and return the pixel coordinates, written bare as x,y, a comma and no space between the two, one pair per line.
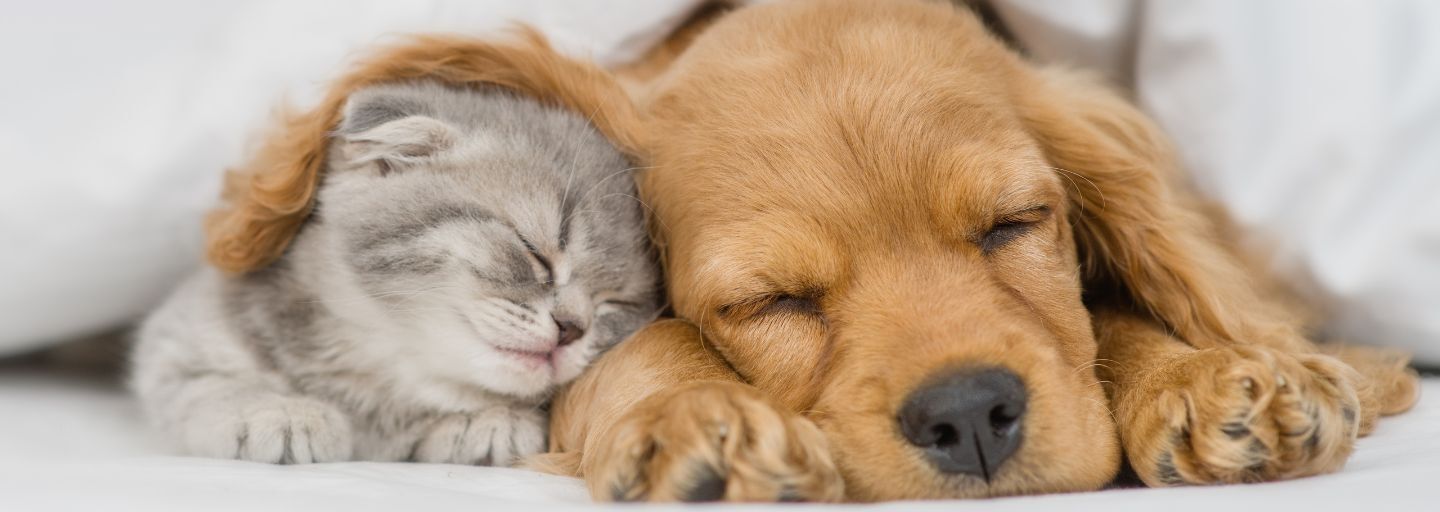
715,442
1251,415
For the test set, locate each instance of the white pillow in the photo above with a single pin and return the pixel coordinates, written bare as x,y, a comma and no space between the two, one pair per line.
118,119
1316,122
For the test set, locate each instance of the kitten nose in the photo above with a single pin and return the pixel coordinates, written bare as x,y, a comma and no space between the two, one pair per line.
569,331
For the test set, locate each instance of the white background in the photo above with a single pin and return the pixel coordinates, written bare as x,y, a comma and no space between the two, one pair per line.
1317,122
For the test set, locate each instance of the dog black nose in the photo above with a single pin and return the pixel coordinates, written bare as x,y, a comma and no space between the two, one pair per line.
569,331
968,421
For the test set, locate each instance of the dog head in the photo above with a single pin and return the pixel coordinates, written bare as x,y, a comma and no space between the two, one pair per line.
884,218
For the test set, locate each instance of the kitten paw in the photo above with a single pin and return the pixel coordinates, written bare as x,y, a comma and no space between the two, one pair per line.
274,429
498,436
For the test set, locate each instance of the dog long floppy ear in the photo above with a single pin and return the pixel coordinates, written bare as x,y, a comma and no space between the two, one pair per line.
268,198
1138,232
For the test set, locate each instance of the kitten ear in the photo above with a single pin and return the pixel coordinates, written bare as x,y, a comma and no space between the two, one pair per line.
390,130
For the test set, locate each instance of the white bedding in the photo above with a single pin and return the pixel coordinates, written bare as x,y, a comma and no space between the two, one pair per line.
117,118
73,444
1314,122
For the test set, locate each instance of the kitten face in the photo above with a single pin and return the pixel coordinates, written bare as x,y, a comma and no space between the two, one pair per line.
501,237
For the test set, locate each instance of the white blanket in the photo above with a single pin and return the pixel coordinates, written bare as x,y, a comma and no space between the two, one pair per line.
69,444
116,119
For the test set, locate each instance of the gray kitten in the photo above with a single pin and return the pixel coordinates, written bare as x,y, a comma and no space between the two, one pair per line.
470,252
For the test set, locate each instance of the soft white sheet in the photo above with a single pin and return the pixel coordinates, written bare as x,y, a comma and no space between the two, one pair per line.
116,119
72,444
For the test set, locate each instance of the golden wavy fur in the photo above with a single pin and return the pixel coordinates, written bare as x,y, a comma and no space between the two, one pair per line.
267,198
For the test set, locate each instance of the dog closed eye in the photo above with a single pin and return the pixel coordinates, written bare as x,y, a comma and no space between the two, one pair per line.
1012,226
771,305
1003,233
791,304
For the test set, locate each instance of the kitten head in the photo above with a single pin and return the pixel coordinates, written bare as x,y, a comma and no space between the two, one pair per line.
501,236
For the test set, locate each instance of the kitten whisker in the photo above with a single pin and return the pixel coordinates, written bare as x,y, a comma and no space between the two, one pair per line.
597,184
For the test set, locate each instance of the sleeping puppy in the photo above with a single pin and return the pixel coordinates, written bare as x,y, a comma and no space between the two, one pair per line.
908,264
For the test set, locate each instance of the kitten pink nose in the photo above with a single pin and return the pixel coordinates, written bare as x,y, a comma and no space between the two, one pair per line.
569,331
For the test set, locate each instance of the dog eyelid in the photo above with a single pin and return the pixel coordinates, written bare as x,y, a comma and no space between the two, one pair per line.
804,305
777,303
1035,213
737,308
1011,226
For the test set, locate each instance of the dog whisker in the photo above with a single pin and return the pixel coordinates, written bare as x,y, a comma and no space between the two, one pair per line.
1098,191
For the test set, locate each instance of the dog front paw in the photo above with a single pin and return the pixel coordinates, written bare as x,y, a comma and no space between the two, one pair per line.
498,436
713,441
1242,414
271,428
